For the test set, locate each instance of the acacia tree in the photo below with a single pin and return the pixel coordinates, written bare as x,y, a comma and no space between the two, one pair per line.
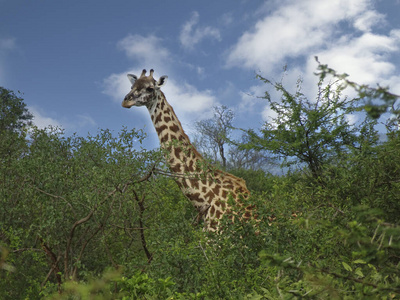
311,132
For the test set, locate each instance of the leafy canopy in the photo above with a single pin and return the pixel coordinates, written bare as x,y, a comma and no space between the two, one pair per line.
311,132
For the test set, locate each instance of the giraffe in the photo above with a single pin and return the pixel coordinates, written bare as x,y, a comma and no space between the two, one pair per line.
206,187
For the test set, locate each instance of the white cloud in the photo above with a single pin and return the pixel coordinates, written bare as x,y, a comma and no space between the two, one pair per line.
366,21
364,58
189,103
190,35
298,28
185,98
147,50
40,120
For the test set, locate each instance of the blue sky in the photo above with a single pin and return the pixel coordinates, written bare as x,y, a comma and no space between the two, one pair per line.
70,58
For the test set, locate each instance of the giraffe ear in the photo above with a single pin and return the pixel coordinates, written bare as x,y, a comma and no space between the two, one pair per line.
132,78
162,81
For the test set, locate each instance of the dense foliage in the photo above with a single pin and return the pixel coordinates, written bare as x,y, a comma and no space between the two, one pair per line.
96,218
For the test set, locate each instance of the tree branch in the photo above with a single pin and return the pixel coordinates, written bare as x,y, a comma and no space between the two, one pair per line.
142,236
54,268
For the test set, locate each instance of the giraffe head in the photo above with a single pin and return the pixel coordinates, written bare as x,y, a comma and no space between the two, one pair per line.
144,90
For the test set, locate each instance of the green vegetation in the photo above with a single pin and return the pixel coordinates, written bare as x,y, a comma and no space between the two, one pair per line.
94,218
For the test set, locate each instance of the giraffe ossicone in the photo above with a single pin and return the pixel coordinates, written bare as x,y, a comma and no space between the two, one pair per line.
205,186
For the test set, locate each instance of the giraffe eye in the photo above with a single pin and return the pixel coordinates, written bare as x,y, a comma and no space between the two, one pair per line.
149,89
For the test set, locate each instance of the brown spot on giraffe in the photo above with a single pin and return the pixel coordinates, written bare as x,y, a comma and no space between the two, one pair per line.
216,189
194,183
158,118
166,112
176,168
177,152
190,166
212,211
209,196
162,103
161,129
196,197
164,138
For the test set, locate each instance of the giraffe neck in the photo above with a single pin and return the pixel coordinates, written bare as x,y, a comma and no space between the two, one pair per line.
182,156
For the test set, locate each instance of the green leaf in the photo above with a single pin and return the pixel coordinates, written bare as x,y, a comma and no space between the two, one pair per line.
359,273
347,267
359,261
